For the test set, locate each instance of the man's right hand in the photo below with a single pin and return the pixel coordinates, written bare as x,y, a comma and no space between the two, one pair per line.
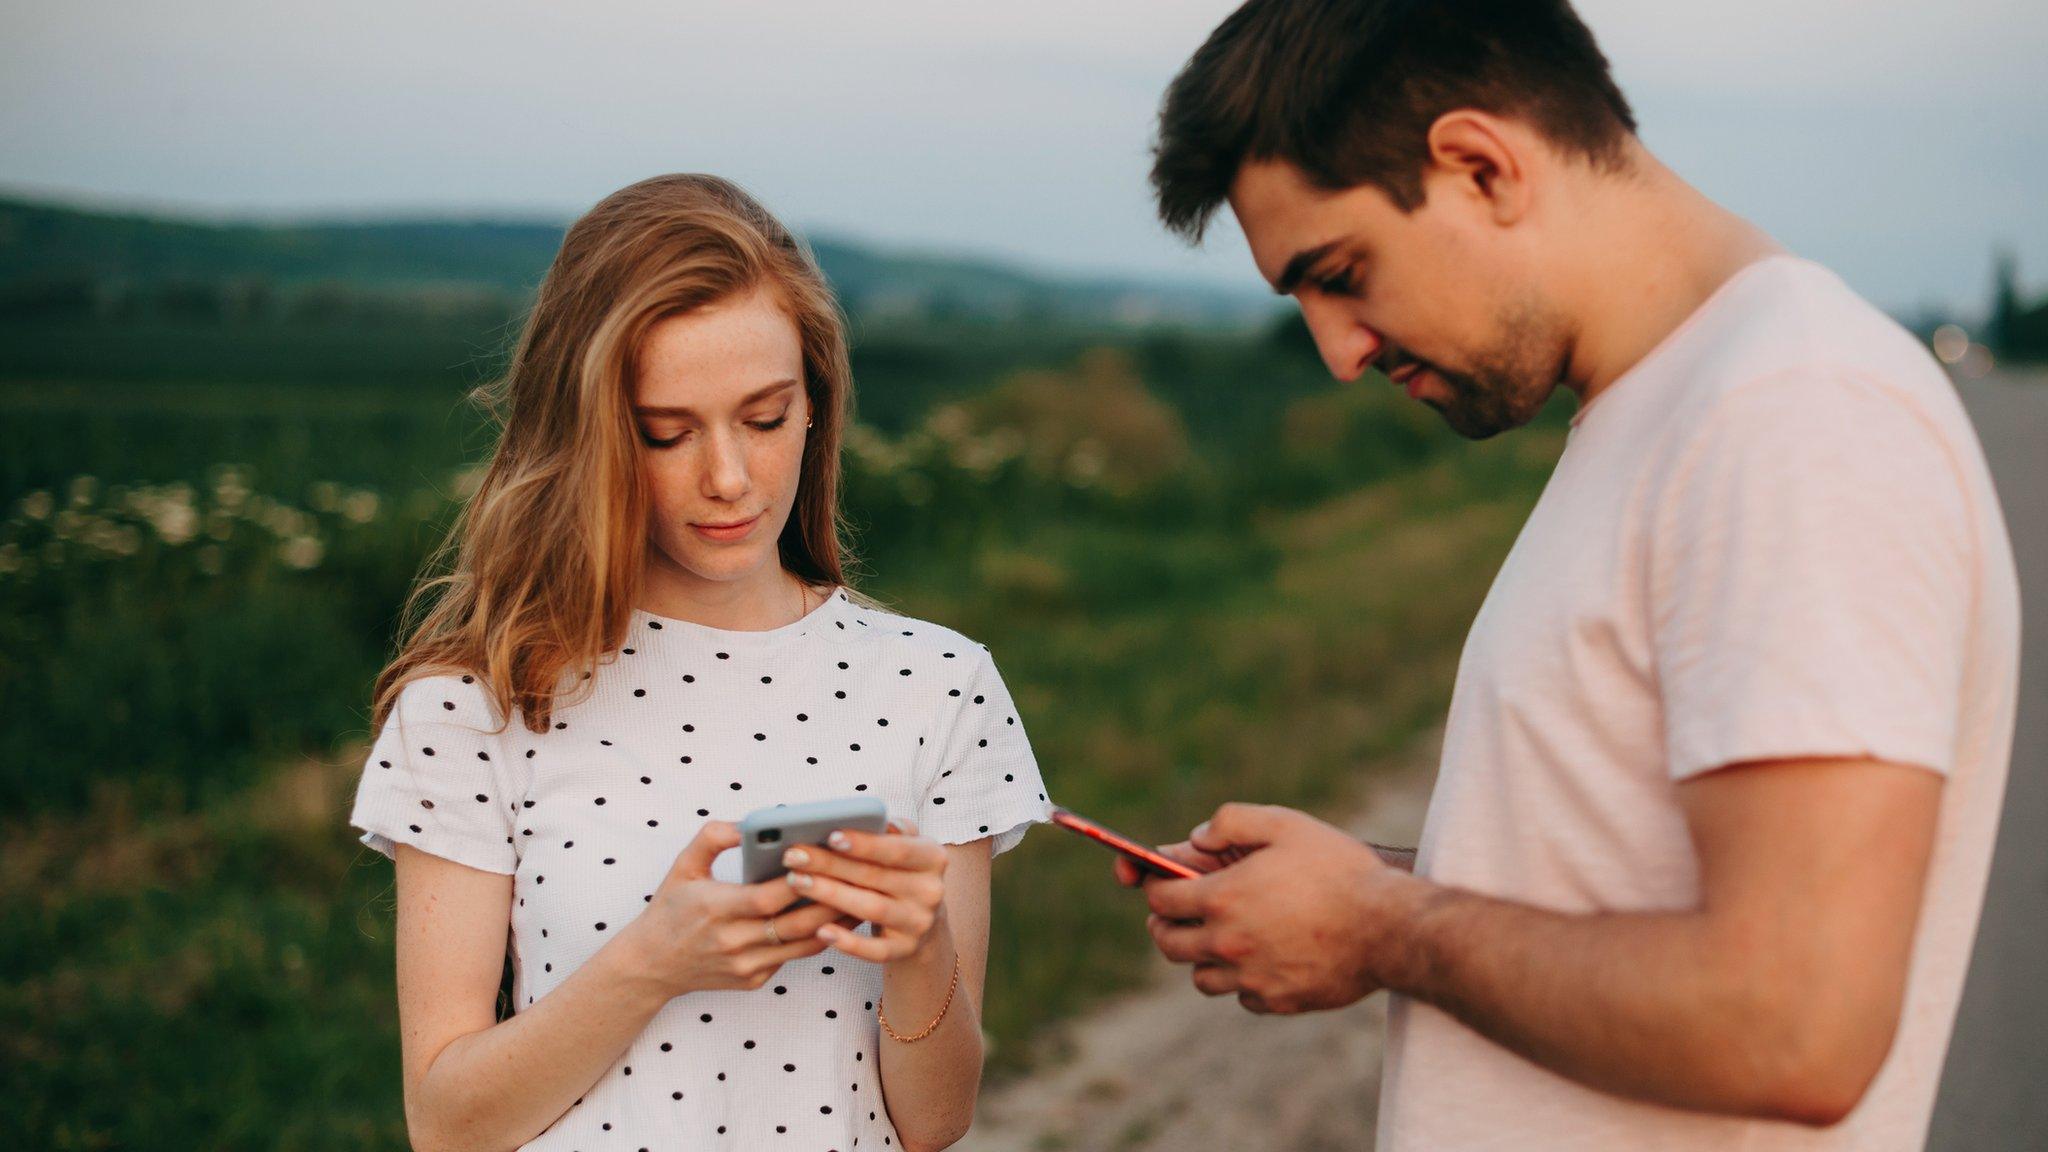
1128,874
1131,876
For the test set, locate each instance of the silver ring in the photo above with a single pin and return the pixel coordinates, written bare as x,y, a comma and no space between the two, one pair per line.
773,936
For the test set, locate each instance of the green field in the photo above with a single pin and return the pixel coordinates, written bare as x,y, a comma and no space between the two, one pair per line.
1208,572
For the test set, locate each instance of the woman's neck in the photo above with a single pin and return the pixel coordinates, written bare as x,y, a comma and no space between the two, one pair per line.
757,603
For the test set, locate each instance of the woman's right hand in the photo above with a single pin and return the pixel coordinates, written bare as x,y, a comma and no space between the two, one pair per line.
700,933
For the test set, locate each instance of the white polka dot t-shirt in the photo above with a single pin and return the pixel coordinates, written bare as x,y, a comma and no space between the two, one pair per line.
688,723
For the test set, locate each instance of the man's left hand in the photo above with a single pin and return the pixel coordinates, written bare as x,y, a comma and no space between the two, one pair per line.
1300,923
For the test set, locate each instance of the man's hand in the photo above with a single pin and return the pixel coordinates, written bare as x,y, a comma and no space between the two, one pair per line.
1131,876
1294,925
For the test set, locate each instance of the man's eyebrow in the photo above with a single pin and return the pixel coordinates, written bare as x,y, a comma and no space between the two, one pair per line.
1299,266
757,394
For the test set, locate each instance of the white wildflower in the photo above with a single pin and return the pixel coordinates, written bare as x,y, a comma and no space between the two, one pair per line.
230,487
175,523
360,506
300,552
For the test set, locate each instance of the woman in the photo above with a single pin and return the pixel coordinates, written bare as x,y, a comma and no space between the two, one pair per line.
645,633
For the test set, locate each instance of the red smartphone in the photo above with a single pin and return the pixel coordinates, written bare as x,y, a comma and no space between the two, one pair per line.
1146,858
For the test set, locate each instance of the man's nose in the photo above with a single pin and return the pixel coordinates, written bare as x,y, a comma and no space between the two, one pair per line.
1346,345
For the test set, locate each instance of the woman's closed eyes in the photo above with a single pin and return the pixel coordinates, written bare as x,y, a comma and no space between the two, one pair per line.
758,425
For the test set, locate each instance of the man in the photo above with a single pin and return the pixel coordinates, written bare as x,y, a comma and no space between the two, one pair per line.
1729,736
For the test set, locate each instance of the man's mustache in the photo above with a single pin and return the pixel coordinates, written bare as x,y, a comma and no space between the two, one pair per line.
1392,358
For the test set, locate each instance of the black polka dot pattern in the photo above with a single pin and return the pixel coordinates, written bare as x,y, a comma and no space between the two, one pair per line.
588,814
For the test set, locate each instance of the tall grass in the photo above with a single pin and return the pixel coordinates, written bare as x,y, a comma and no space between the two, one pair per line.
197,952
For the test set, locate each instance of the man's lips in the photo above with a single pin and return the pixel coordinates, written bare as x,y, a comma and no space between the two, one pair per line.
1410,377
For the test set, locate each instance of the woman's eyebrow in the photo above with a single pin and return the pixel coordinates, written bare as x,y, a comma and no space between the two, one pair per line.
757,394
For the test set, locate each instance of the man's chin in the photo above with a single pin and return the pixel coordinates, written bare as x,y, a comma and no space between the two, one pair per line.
1479,411
1469,424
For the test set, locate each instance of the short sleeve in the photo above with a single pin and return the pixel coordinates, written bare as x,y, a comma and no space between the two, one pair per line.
1811,579
437,778
983,779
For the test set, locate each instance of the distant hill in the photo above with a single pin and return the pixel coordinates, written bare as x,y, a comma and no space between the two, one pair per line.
60,256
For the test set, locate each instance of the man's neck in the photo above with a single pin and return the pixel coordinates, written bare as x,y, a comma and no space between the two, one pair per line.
1652,251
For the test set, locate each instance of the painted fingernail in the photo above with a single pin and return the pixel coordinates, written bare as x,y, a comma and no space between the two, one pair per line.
838,840
799,880
795,858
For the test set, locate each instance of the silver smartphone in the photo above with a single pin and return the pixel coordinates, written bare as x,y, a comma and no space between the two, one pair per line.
766,832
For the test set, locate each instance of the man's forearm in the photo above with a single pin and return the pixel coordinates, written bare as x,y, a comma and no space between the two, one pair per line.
1655,1006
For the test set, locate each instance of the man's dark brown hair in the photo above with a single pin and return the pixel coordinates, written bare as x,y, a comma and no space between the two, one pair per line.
1346,91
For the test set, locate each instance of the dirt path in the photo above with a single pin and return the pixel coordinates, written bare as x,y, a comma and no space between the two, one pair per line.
1168,1068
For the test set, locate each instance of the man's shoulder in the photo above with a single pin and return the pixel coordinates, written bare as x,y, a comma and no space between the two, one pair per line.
1801,335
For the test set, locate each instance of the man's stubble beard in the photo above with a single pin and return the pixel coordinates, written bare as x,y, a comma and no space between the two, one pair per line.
1508,382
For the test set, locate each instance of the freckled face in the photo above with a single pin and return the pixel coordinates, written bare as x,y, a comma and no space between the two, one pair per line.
720,404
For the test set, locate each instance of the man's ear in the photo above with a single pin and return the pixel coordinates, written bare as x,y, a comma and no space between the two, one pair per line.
1484,157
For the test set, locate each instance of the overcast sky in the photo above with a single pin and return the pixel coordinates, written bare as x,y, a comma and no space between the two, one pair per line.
1896,140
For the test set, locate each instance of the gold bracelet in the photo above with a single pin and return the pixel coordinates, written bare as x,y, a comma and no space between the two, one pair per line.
950,988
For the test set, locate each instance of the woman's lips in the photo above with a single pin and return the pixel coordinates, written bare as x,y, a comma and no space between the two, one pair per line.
726,531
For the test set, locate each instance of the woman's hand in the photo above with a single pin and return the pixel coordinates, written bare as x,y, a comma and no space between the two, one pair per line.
700,933
894,880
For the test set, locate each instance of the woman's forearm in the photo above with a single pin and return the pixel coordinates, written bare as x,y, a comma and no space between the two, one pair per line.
506,1084
930,1084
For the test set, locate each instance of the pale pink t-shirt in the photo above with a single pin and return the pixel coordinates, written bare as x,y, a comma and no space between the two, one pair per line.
1775,536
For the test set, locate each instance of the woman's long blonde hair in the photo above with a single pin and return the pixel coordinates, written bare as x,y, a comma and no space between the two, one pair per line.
540,569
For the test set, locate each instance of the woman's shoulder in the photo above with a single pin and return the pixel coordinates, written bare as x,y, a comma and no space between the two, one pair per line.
910,633
452,696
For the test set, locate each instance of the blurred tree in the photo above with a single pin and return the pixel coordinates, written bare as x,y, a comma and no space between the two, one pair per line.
2005,303
1290,333
1094,424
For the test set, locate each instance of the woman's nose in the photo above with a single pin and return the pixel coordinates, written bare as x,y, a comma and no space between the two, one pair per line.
725,467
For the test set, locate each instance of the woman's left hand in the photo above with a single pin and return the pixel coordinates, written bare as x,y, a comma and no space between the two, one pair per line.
894,880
